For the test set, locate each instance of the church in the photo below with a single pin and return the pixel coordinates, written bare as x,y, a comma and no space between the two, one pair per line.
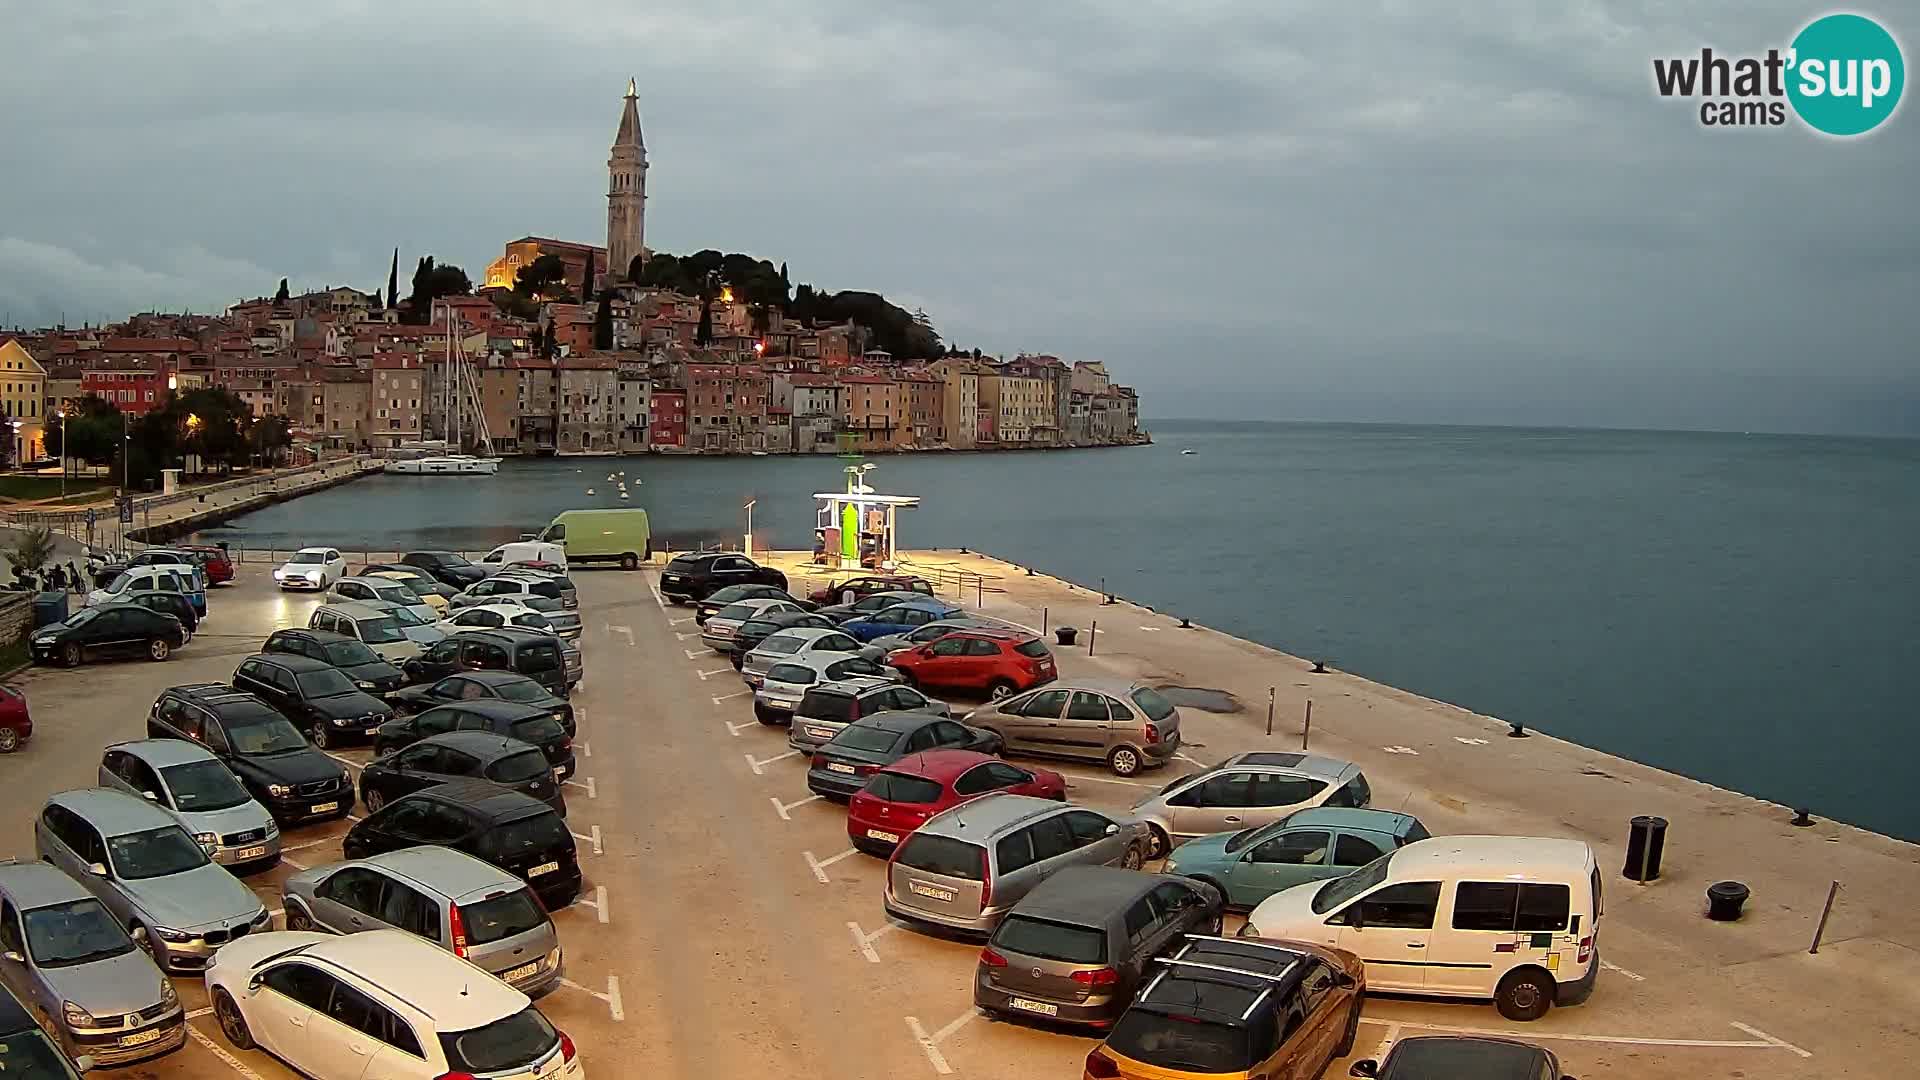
626,218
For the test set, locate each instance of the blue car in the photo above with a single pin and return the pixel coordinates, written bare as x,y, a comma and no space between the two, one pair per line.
901,618
1309,845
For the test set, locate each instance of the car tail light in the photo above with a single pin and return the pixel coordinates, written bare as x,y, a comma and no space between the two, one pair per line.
865,770
819,760
1102,977
1101,1066
1153,732
465,1076
566,1047
458,929
986,880
1586,949
992,959
566,742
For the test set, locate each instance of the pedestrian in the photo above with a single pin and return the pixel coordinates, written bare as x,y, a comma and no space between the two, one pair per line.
73,576
56,579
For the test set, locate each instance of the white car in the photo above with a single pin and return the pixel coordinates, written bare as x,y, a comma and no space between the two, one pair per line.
489,616
381,1003
778,692
378,588
524,551
311,568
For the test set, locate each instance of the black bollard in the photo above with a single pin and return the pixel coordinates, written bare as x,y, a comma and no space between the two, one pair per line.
1646,841
1724,900
1802,818
1516,731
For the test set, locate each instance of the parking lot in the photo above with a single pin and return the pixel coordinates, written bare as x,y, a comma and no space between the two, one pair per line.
727,928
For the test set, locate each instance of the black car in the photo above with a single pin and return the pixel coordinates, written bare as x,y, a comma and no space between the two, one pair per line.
107,631
351,658
540,657
698,576
486,685
292,780
460,755
314,695
871,743
869,604
528,723
515,832
1455,1057
446,567
761,627
166,603
24,1045
733,594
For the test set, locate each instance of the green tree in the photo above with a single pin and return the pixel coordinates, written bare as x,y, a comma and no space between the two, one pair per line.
545,278
393,279
31,549
586,279
6,439
90,432
280,297
703,333
603,323
432,281
268,438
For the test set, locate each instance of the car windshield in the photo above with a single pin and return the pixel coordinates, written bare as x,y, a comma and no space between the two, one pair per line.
381,631
30,1056
791,673
1182,1043
544,833
1342,889
500,917
1050,940
1150,702
389,590
414,585
511,1043
402,617
307,557
203,785
1246,836
871,739
737,612
942,855
447,558
781,645
532,620
325,682
757,628
120,582
904,788
731,593
837,708
154,853
539,656
76,932
265,737
82,617
686,564
520,691
518,768
349,654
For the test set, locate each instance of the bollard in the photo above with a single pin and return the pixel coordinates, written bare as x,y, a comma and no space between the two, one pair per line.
1517,731
1092,633
1269,712
1646,840
1043,621
1307,729
1820,930
1065,635
1724,900
1184,624
1319,667
1802,819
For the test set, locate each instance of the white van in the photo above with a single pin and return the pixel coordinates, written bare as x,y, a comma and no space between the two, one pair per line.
523,551
1511,918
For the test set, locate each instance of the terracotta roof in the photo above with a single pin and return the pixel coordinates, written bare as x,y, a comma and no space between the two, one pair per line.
390,361
147,345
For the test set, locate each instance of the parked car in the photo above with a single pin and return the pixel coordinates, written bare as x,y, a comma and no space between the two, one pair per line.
421,632
314,695
111,631
514,586
424,590
996,663
827,707
167,603
900,797
192,562
718,632
901,618
928,633
101,995
214,560
755,631
138,579
16,721
28,1049
462,755
1277,1009
493,616
512,831
534,724
1310,845
967,867
472,909
1462,1057
1248,790
425,584
446,567
780,692
419,1012
869,604
270,757
1511,918
312,568
522,553
348,590
1077,948
349,657
378,628
800,644
733,594
149,873
695,576
540,657
853,588
840,768
486,686
192,785
1127,725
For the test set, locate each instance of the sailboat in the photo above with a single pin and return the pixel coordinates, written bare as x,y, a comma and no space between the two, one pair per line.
461,399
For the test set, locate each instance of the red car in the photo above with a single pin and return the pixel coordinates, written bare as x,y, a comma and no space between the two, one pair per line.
901,797
214,559
994,662
846,592
16,727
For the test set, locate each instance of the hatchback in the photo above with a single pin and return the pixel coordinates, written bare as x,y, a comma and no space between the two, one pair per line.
755,631
540,657
64,952
1311,845
718,632
461,755
997,663
1443,1057
384,1003
870,603
375,625
710,606
1249,790
292,780
149,873
166,603
311,568
801,644
369,673
358,589
827,707
493,616
425,590
901,797
107,631
188,782
487,686
1127,725
16,721
929,633
965,868
853,588
901,618
512,831
1076,948
516,586
446,567
841,767
781,689
472,909
314,695
214,560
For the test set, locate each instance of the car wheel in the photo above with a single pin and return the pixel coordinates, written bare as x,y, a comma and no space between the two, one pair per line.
9,740
629,561
375,801
1124,761
999,690
1158,845
1353,1027
739,660
322,736
1525,994
297,918
71,654
1132,860
158,649
232,1024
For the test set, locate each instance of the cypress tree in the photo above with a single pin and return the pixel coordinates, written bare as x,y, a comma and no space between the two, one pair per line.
393,280
586,286
603,322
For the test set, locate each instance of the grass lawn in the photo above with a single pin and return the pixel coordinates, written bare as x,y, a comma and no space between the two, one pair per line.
32,486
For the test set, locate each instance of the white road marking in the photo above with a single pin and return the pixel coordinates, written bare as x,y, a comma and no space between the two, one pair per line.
864,941
593,838
1469,742
354,817
598,903
759,765
344,761
1616,968
782,808
685,636
701,655
1401,750
1182,755
1781,1043
304,846
820,865
920,1036
705,675
220,1052
295,863
1106,780
1762,1042
611,997
677,622
1386,1044
592,792
583,747
198,1013
955,1026
719,699
1151,629
624,631
654,587
734,729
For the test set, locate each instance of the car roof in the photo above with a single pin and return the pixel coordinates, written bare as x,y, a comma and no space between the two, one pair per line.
1506,856
214,695
1238,972
807,633
702,556
996,633
898,721
852,686
325,637
921,600
113,812
454,873
37,884
422,974
986,816
944,766
1459,1055
315,550
356,609
1315,765
484,745
1348,817
494,707
760,603
1087,895
1119,688
501,803
163,753
292,661
493,678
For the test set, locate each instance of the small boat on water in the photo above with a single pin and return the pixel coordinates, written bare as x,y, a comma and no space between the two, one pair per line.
445,464
1187,451
759,453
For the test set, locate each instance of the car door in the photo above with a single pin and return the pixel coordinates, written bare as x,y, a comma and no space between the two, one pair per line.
1390,928
291,997
1098,838
414,768
1281,862
1033,724
1503,923
18,974
1215,804
835,643
350,900
942,664
1082,731
110,635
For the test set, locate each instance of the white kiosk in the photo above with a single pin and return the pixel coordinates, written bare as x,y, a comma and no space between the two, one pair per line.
857,529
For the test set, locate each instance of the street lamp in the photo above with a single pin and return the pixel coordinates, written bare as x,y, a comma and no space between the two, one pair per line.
61,416
749,509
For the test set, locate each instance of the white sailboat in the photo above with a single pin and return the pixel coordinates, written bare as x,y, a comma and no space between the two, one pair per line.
462,399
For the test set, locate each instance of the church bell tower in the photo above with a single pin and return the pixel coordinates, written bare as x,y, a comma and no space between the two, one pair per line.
626,190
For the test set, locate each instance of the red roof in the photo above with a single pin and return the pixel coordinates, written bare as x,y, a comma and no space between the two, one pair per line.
147,345
395,361
806,378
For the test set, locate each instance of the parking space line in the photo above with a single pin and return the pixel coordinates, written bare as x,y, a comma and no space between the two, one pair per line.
677,622
220,1052
1106,780
284,848
819,866
611,997
927,1044
1386,1044
654,587
1618,970
705,675
198,1013
758,765
592,791
955,1026
295,863
1781,1043
782,808
720,698
598,903
593,839
734,729
864,941
691,655
583,747
1182,755
1761,1041
344,761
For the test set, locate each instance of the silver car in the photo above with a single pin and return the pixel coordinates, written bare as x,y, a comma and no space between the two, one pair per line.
827,707
718,631
149,873
967,866
422,632
800,644
1247,791
350,590
1126,724
933,631
188,782
73,964
373,623
470,908
786,682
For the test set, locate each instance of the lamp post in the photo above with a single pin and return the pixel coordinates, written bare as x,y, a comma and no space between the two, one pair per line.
62,417
749,509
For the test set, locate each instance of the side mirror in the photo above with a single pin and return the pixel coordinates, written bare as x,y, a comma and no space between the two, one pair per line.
1345,981
1355,919
97,869
14,955
139,933
254,984
1113,830
1365,1067
150,796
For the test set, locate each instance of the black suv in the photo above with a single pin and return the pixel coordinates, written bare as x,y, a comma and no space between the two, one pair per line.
538,656
349,656
485,686
528,723
460,755
697,576
314,695
276,766
514,832
445,567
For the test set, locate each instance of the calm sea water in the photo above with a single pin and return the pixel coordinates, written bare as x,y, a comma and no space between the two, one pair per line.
1740,609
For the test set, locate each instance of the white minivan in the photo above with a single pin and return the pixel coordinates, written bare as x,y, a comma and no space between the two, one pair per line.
1512,918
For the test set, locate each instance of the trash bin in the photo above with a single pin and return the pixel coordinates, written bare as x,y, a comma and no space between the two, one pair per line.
49,608
1064,635
1724,900
1646,840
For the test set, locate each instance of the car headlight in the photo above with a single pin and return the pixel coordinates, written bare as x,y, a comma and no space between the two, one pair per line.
279,791
278,574
167,993
77,1016
342,721
366,686
553,958
207,840
273,828
172,935
1170,867
264,918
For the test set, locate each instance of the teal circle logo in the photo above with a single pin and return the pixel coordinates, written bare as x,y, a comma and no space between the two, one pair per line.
1847,74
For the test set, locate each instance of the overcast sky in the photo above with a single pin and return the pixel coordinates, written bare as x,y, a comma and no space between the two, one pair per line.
1370,211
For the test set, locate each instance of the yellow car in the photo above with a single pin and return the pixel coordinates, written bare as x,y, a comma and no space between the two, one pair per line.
1234,1009
430,592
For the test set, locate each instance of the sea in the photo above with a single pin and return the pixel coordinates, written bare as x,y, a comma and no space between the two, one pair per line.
1742,609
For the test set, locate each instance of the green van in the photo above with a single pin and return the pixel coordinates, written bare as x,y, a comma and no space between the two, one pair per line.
617,535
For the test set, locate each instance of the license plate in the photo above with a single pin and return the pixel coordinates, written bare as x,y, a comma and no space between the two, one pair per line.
142,1038
543,868
776,703
255,852
835,766
930,891
1044,1008
876,834
820,733
321,808
521,972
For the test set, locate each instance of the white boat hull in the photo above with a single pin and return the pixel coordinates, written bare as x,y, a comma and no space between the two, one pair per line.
445,466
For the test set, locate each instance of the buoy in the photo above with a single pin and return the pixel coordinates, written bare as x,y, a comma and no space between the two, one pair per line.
589,491
623,494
